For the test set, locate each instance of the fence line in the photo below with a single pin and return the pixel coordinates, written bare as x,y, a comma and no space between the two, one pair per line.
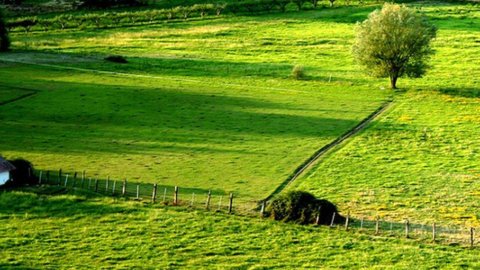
194,199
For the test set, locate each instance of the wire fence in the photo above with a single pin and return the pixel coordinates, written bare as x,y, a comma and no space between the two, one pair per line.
219,201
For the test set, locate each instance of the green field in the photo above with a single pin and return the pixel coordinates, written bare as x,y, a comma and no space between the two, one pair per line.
69,231
214,108
210,104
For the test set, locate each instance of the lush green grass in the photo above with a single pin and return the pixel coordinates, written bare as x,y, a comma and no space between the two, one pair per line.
219,110
420,161
68,231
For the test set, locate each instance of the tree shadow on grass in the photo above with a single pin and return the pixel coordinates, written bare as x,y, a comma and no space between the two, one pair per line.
469,92
130,119
39,205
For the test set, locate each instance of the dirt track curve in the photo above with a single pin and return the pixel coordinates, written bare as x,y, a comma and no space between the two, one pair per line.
322,151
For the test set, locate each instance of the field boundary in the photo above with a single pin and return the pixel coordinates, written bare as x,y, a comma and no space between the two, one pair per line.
326,148
227,203
26,95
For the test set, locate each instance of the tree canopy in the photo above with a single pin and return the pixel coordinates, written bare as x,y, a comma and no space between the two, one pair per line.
4,40
394,42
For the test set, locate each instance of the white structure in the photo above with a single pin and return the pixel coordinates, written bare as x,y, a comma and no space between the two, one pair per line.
5,169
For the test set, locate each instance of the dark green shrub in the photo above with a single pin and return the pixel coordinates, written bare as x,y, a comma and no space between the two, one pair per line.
23,174
116,59
302,207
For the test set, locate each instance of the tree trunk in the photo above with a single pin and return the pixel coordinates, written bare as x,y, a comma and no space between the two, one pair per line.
393,81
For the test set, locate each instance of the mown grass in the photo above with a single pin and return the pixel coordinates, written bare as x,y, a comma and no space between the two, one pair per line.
221,110
218,110
79,231
419,161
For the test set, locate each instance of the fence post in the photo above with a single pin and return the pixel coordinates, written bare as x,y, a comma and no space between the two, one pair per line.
154,193
106,184
230,204
175,196
74,179
83,178
472,237
66,180
59,176
96,184
377,225
40,178
207,203
124,187
407,228
317,219
333,219
138,192
347,220
114,186
262,210
361,223
434,232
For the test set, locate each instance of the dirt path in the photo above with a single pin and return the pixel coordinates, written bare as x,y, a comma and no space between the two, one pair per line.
322,151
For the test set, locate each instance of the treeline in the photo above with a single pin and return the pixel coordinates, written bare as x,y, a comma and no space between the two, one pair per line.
114,19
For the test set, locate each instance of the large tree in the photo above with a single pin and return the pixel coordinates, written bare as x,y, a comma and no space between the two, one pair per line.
4,40
393,42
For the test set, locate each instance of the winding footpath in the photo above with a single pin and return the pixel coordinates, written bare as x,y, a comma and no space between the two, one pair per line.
326,148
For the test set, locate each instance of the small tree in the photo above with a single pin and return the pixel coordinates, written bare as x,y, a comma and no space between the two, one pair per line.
4,40
394,42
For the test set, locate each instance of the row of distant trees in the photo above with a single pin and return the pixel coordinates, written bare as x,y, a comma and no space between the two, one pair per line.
107,19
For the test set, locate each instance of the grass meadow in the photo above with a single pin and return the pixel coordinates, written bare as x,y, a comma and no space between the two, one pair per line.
78,231
211,104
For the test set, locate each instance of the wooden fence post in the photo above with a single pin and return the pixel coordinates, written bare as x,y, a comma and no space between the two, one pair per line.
40,178
434,232
230,204
472,236
154,193
262,210
317,219
83,178
377,225
333,220
106,184
66,180
96,184
361,222
114,186
407,228
347,220
138,192
207,203
124,187
175,196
